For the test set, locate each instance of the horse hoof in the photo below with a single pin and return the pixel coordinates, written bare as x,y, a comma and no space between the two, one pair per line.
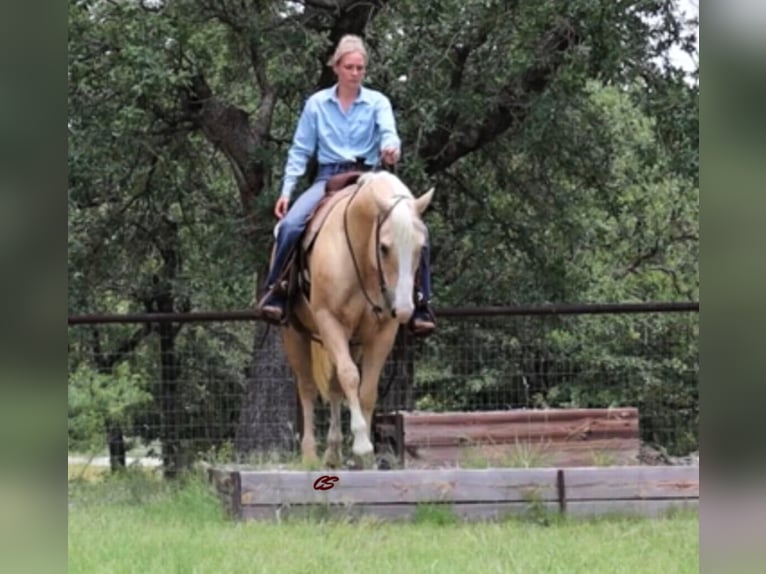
362,462
362,448
383,463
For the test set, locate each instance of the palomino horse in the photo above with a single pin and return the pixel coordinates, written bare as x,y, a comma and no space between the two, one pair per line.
362,270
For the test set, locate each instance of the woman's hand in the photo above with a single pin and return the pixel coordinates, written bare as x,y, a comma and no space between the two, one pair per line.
280,208
390,155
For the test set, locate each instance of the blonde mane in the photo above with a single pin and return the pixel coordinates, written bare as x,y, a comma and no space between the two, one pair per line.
403,219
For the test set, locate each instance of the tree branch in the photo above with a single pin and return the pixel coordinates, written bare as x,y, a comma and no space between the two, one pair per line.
265,111
106,362
444,146
228,128
335,5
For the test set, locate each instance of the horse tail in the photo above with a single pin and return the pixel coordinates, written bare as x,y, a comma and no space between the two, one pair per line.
321,368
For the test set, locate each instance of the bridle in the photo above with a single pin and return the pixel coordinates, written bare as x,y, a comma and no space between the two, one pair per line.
377,309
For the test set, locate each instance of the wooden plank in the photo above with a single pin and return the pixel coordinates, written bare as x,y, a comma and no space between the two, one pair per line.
489,494
636,483
400,486
474,512
531,447
564,437
446,429
447,435
568,454
518,416
462,511
226,484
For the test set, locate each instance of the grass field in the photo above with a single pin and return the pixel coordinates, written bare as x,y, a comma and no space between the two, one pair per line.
138,524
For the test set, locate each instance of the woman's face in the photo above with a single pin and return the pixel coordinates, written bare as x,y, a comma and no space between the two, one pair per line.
350,70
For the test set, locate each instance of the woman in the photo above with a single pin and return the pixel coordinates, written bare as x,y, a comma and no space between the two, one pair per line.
349,126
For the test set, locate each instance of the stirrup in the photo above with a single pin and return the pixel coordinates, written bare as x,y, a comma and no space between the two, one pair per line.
273,312
423,322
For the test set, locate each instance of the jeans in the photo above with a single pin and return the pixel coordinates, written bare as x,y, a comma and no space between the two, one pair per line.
292,225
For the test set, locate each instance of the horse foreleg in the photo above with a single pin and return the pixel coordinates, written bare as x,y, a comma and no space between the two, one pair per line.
298,352
308,442
333,455
373,361
335,341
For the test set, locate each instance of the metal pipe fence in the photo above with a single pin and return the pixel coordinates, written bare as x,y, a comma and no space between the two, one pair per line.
216,385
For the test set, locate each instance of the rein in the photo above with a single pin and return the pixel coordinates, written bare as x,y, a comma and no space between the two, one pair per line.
377,309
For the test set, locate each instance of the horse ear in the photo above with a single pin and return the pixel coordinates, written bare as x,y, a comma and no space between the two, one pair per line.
422,202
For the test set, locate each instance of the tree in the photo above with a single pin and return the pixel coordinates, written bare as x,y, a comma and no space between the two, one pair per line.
563,144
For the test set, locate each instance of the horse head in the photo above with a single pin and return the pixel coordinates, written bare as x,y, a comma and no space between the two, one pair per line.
396,240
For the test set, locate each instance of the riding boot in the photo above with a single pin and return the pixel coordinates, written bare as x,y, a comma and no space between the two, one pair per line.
272,305
423,321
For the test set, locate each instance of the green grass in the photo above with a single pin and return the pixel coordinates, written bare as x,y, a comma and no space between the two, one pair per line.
138,524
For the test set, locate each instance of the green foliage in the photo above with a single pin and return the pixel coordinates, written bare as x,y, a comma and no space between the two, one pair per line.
575,180
437,514
95,397
645,361
212,377
184,529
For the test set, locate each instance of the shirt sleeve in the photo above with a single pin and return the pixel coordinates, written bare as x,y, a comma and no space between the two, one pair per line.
387,124
303,146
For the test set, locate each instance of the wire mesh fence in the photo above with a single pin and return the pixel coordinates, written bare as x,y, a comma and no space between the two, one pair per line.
185,389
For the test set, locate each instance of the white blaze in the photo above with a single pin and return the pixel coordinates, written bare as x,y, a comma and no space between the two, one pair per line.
403,231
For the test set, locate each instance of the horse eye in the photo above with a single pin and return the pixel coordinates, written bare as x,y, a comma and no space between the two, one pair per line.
384,250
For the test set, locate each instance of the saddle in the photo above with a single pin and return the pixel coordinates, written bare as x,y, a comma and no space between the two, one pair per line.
298,279
337,183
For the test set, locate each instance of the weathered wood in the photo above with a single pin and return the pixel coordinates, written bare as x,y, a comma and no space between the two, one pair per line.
457,434
632,483
401,486
520,416
476,511
553,437
462,511
227,485
470,494
527,454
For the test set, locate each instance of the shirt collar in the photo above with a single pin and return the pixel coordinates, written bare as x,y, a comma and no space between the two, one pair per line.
364,96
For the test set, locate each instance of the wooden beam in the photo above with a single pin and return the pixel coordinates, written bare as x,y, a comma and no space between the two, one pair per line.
468,494
400,486
547,437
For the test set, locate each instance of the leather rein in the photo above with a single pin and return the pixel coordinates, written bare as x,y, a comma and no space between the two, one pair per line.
377,309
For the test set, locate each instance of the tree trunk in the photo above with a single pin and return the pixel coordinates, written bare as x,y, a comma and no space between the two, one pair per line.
116,442
268,423
170,404
105,363
170,396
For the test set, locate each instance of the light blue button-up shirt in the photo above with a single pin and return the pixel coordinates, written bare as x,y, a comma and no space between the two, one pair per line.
338,137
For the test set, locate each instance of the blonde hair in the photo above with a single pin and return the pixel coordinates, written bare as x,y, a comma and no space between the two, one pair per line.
348,44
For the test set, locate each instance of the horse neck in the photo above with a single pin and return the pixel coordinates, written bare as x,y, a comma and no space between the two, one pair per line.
361,220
